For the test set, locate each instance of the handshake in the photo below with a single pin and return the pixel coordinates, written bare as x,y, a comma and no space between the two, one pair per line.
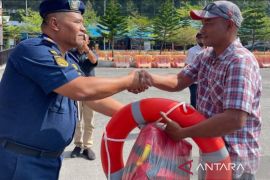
141,80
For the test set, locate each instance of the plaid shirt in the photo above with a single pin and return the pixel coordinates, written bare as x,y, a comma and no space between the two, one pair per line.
231,81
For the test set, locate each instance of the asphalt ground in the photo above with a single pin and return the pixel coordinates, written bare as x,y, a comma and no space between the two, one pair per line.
83,169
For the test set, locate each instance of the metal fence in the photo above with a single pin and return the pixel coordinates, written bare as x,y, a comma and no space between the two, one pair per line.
4,56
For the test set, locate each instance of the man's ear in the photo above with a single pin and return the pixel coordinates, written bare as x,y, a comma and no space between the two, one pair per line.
53,23
230,24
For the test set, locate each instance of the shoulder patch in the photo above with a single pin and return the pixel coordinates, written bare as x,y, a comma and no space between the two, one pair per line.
60,61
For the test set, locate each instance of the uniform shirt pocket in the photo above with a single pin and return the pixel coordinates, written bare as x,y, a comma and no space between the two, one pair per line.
59,104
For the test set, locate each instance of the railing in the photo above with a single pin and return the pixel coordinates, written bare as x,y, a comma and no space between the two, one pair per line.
4,56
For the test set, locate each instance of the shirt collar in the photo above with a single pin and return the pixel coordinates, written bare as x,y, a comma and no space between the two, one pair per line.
47,38
228,51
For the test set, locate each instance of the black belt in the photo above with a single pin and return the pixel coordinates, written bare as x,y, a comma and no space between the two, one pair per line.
27,150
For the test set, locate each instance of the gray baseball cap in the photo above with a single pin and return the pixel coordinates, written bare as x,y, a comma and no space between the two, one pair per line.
224,9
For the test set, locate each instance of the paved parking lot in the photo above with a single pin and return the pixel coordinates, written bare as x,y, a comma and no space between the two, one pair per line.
82,169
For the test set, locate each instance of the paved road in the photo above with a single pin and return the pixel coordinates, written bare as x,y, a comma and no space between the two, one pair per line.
82,169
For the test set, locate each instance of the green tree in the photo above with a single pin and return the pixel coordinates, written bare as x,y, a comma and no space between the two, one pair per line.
139,26
185,36
253,22
266,31
11,32
184,11
166,23
131,8
113,22
31,22
90,16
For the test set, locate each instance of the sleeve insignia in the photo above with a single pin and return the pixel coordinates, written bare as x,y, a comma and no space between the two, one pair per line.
75,66
60,61
77,69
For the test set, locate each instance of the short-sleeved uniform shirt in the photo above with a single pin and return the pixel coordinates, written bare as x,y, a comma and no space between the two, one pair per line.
231,81
31,113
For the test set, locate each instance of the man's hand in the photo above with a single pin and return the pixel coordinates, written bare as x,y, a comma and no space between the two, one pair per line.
173,130
85,47
136,85
144,80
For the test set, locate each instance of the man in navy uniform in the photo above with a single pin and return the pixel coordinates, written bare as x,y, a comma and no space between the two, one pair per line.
37,92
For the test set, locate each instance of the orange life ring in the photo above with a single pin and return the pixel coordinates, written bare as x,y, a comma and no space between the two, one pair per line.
213,150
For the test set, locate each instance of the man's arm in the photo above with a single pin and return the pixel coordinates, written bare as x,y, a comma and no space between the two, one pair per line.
93,88
89,53
107,106
91,56
218,125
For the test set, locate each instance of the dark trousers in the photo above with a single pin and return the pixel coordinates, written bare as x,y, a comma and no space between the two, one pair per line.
193,92
22,167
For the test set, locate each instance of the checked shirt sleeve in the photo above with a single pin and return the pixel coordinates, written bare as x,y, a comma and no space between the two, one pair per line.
241,83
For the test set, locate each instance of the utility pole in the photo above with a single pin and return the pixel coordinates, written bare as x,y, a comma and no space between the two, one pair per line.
1,26
26,8
104,13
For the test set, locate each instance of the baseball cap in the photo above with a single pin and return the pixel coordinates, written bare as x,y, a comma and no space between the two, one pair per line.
224,9
50,6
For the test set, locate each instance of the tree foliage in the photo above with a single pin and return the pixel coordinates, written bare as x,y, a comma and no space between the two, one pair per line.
31,22
185,36
253,23
90,16
113,22
139,27
166,16
166,23
184,11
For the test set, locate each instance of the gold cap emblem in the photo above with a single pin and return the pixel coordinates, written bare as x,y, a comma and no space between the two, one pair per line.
74,4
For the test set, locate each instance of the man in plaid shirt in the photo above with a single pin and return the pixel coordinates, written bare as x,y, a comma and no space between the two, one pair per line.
229,88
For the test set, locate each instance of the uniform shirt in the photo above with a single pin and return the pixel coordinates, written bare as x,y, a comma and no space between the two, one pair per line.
231,81
86,66
30,112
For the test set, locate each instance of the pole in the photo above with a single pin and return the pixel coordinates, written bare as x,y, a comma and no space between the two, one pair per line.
104,13
26,8
1,26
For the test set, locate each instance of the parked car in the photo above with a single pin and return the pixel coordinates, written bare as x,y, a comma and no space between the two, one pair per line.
259,46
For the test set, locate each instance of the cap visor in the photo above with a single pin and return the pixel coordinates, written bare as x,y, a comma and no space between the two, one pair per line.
201,14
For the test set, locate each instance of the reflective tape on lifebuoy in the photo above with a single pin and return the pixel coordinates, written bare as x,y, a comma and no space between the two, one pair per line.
136,114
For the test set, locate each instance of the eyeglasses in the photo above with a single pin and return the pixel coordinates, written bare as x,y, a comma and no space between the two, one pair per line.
211,6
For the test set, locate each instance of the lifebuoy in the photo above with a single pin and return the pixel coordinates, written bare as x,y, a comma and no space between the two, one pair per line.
213,150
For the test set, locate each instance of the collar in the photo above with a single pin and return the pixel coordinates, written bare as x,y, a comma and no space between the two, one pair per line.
228,51
47,38
51,43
